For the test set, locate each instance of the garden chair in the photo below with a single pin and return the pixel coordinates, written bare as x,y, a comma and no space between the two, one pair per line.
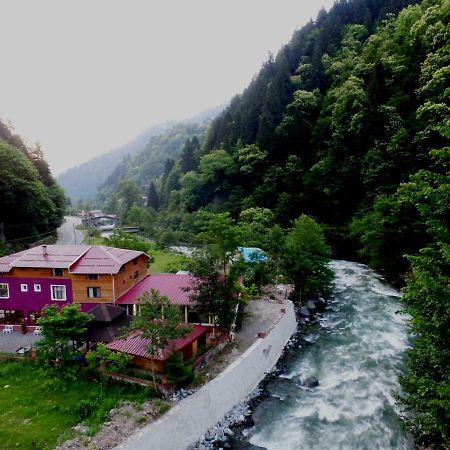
8,329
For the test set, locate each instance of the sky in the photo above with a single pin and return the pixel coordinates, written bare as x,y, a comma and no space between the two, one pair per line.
84,77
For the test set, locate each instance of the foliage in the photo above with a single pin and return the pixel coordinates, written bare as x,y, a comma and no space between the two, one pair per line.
159,321
113,361
179,373
305,258
59,327
32,203
212,292
129,241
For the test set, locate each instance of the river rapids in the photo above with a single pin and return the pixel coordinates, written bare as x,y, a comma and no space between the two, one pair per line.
355,349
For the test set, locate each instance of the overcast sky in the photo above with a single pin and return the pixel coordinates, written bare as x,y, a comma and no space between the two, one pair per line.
86,76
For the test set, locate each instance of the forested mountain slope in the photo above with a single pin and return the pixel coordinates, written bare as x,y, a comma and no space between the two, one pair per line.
148,163
82,182
32,204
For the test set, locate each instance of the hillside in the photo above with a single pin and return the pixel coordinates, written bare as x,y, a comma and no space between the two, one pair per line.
148,163
31,201
82,182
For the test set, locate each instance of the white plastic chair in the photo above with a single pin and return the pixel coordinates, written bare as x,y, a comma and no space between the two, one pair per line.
9,329
37,331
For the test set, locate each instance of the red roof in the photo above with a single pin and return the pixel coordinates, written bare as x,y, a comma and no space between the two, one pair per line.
101,259
175,287
77,258
135,345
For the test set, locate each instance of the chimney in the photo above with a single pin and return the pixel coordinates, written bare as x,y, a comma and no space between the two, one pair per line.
44,249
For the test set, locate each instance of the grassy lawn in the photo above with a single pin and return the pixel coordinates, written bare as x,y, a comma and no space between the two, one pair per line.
164,261
36,409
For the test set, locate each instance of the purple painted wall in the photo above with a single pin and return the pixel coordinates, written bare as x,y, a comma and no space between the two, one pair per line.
31,300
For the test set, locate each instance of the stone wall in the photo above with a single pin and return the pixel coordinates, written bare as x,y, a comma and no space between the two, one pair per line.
184,424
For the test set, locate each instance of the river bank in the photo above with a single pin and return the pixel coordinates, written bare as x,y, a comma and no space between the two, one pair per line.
193,416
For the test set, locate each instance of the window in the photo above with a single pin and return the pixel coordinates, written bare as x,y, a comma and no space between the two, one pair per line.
4,290
135,274
135,261
94,292
58,292
37,288
57,272
92,276
24,288
122,269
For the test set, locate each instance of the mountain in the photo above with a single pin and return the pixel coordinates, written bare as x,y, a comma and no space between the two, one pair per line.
82,182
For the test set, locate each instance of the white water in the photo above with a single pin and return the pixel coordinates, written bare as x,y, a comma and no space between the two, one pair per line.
355,350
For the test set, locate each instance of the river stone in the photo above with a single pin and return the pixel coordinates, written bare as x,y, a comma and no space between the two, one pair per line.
310,382
304,311
311,305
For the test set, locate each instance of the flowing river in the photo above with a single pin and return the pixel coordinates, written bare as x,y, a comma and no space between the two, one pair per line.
355,349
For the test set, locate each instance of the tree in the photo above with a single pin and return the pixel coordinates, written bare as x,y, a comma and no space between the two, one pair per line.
141,217
159,321
129,194
152,197
306,257
211,292
220,237
59,327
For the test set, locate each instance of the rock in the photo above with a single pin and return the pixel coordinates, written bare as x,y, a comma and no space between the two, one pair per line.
228,432
311,305
310,382
304,312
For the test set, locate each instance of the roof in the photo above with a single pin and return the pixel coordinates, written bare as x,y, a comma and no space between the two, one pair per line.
102,260
252,254
80,259
175,287
135,345
107,331
107,313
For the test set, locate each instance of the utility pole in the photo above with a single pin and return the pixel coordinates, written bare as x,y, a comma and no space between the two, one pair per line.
74,234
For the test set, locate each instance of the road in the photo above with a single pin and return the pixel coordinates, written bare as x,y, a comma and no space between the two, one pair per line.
67,234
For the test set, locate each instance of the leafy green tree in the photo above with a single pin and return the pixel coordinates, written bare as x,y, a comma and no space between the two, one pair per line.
220,237
60,327
112,361
214,294
129,194
306,257
119,239
159,321
142,218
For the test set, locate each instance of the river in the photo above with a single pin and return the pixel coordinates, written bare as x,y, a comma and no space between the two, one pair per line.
355,349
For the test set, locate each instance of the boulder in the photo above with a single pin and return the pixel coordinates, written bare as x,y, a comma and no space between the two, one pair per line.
311,305
310,382
304,312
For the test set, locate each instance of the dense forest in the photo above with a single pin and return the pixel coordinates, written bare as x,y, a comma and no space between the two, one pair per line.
32,203
349,123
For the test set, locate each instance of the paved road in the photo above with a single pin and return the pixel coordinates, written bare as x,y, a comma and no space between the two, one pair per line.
67,234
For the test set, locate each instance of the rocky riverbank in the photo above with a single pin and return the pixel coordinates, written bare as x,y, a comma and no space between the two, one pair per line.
228,433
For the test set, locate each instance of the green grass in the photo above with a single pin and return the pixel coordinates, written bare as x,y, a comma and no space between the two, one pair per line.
166,261
36,409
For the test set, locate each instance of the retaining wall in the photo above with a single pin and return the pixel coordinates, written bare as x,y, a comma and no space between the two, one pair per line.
189,420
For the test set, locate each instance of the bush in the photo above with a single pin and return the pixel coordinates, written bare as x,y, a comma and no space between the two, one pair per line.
178,373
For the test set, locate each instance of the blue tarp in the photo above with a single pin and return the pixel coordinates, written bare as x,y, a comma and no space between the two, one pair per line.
252,254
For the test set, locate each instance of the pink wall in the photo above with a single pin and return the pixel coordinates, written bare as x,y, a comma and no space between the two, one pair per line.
31,300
